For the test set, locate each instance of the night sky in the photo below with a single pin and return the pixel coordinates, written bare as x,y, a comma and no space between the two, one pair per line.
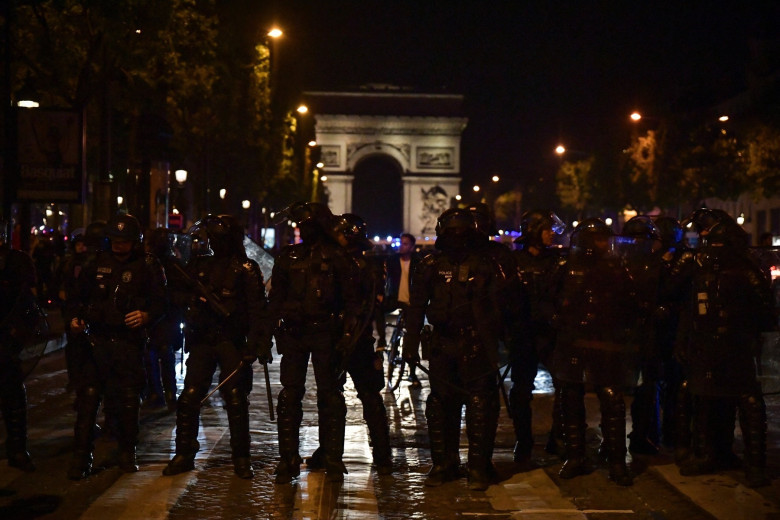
533,73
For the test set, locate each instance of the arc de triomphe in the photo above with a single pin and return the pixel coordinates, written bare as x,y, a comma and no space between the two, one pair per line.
391,156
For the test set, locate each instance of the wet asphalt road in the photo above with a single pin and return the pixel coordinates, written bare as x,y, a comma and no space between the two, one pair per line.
213,491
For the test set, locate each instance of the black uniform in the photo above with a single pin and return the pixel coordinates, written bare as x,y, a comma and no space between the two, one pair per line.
731,303
17,280
595,318
364,365
457,288
231,330
120,285
315,299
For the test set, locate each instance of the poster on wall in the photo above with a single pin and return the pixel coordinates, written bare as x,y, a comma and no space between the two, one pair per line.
435,201
49,158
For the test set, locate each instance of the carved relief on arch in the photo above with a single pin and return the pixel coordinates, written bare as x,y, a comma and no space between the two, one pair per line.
358,151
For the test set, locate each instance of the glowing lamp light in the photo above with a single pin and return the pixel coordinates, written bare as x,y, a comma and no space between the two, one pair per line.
560,149
495,178
181,176
175,211
575,223
723,119
302,109
389,238
245,204
222,193
608,221
741,219
324,178
119,200
376,238
458,197
275,32
475,188
312,143
320,164
636,116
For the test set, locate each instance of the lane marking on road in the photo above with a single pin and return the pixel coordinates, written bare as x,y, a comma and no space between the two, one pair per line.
148,494
535,493
720,495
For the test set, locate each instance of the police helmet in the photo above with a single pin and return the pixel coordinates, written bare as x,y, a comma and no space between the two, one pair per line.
725,235
703,219
641,226
95,235
484,218
353,228
671,232
533,222
586,236
223,234
159,242
456,220
125,227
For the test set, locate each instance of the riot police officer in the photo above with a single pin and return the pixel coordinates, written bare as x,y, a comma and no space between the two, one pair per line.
594,320
227,325
456,288
731,304
640,245
316,302
513,302
363,364
165,338
126,294
539,265
17,300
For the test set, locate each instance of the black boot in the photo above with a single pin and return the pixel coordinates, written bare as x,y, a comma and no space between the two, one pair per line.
128,421
573,410
289,414
238,420
14,403
87,405
481,420
645,435
613,424
704,460
333,413
753,423
375,415
444,469
187,419
683,425
555,442
520,404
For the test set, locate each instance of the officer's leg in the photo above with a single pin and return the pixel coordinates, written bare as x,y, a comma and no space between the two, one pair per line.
645,433
524,367
234,393
289,409
753,423
683,427
704,430
14,407
168,373
237,406
613,424
87,405
200,369
726,418
369,382
573,411
128,419
481,421
555,443
444,467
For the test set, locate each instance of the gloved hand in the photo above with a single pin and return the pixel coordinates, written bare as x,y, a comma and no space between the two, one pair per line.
411,349
263,351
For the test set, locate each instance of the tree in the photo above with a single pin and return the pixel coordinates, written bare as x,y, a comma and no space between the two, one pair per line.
574,184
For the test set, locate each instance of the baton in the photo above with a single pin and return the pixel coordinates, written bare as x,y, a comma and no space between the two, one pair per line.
233,373
268,392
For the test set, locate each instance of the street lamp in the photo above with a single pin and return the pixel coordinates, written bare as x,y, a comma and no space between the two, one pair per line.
635,116
302,109
275,33
222,193
181,176
245,204
560,149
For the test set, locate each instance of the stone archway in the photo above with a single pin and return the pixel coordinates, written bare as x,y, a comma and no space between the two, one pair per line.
377,194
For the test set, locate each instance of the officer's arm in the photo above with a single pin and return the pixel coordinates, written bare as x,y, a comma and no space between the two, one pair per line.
259,335
157,295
